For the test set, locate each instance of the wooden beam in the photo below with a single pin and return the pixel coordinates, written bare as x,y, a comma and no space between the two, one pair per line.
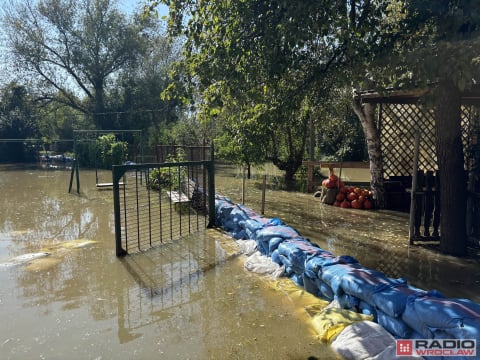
337,165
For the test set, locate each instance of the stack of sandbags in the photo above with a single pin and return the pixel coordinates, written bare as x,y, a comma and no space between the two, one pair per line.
433,317
238,220
390,301
292,254
323,273
270,236
401,309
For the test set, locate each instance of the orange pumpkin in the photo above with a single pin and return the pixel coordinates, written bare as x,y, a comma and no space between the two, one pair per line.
356,204
352,196
367,204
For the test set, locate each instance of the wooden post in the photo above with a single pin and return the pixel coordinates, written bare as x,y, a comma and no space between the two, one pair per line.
414,185
264,185
243,185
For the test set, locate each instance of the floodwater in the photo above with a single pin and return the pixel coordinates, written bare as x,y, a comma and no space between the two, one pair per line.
378,239
82,302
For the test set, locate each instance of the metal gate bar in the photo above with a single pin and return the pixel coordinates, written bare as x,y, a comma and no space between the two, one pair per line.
161,202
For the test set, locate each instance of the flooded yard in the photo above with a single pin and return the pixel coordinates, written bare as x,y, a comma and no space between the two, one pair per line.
378,239
82,302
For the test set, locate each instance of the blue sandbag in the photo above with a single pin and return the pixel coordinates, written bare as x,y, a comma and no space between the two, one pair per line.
275,222
348,301
443,313
391,299
367,309
362,283
413,320
297,279
239,234
276,258
273,244
310,286
326,291
237,215
297,251
253,225
285,262
269,246
317,262
223,209
470,329
333,275
318,288
394,326
262,247
282,231
314,264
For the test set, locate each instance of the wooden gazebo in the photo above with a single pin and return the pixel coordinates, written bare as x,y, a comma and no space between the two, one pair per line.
407,135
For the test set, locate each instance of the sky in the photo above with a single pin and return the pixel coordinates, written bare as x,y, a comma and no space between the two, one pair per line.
130,6
127,6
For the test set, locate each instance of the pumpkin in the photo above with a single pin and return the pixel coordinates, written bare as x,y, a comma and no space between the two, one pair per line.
367,204
352,196
356,204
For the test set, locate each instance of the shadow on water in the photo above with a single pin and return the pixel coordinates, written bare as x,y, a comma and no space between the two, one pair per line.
378,239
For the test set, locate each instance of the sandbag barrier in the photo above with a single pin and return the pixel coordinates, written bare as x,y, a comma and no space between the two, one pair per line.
405,311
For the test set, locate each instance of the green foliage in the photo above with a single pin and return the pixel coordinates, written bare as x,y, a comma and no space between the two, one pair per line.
17,121
169,178
256,68
102,153
72,50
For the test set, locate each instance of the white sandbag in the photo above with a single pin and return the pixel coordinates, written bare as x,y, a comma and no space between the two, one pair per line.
362,340
261,264
248,247
390,353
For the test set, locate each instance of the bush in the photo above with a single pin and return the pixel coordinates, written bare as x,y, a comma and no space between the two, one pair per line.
169,178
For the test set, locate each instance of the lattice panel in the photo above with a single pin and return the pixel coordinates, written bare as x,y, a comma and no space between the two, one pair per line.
398,122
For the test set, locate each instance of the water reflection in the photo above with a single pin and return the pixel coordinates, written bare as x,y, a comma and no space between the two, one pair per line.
82,302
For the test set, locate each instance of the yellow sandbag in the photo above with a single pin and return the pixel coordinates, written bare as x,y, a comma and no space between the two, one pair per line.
298,295
331,321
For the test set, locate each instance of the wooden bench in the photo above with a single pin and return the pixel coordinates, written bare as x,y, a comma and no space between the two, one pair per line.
178,198
108,185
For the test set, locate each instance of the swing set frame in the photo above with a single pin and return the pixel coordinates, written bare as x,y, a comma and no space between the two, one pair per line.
89,136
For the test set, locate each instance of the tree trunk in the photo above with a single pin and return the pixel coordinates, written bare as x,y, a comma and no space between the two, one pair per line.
450,157
366,114
100,119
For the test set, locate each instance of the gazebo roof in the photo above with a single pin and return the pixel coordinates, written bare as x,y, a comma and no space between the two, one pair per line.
395,96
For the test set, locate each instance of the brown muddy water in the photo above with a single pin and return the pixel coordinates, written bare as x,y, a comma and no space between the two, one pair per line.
82,302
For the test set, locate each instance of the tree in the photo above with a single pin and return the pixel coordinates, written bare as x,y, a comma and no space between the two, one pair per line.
17,121
435,48
136,98
72,49
450,62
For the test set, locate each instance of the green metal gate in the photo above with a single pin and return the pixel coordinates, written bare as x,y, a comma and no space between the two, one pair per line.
158,203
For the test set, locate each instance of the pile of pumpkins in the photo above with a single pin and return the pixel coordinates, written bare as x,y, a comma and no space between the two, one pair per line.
347,196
